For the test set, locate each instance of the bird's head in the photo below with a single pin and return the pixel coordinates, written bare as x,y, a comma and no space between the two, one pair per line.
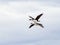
31,19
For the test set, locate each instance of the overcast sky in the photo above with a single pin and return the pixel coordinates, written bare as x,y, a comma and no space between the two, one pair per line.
14,22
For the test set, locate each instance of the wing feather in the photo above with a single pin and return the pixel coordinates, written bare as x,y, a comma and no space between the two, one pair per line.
31,25
38,17
40,25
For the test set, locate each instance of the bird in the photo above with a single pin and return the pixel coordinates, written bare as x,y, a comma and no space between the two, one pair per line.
35,21
37,18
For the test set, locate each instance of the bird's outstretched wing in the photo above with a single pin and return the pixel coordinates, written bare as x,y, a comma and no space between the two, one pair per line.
31,17
31,25
38,16
40,25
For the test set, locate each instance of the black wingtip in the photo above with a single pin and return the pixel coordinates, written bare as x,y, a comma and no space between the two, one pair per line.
43,27
41,14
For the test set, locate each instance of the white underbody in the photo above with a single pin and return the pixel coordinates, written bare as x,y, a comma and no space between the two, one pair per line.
34,22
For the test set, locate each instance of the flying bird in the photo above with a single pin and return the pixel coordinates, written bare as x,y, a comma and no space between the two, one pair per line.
36,17
35,21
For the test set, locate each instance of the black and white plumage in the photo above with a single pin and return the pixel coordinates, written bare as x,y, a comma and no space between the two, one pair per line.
36,21
38,24
36,17
31,18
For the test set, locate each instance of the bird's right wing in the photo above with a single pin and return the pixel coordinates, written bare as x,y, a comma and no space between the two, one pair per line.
40,25
31,25
31,17
38,16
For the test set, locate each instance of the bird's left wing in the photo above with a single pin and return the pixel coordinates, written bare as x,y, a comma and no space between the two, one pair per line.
31,25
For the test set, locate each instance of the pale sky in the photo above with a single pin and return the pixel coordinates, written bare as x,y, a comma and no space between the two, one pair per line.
14,22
